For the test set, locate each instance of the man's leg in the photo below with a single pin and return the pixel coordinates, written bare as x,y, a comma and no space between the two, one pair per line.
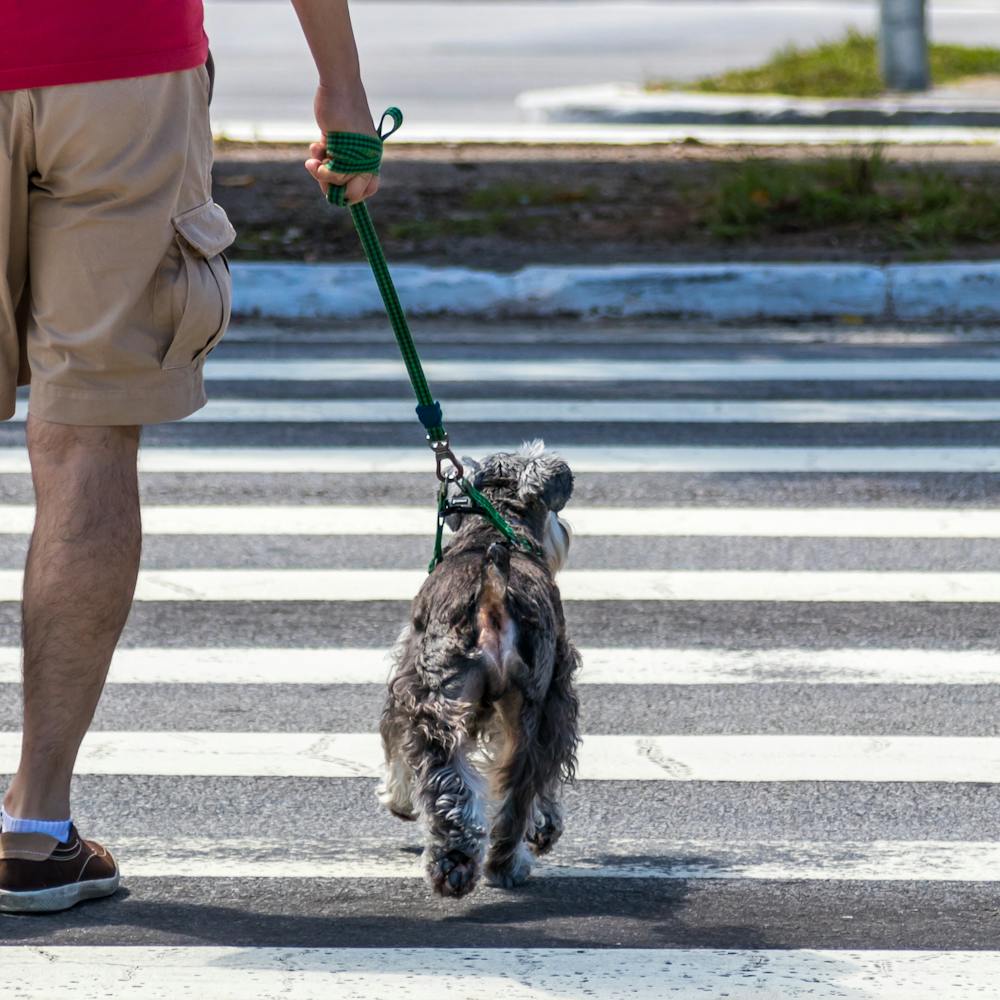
78,586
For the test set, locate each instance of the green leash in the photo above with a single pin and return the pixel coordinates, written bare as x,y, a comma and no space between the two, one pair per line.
357,153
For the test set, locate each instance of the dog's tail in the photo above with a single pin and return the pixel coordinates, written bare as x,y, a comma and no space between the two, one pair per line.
496,574
491,612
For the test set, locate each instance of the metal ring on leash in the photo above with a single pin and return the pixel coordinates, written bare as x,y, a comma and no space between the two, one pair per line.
442,454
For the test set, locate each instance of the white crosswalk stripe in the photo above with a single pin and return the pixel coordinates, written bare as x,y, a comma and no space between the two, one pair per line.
859,861
582,370
221,973
826,522
699,847
583,459
284,585
624,666
602,758
541,411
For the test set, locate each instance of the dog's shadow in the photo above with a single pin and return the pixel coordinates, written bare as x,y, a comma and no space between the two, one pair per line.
549,911
401,937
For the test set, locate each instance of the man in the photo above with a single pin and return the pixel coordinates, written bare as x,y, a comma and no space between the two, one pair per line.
113,288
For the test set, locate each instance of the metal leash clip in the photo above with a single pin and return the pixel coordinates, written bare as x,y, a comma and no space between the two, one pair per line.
442,454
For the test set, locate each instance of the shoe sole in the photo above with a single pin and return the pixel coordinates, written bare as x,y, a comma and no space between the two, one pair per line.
60,897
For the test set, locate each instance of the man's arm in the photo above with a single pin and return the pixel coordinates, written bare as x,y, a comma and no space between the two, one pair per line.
341,104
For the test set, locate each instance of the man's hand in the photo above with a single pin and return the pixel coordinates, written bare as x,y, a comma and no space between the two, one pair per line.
341,104
339,112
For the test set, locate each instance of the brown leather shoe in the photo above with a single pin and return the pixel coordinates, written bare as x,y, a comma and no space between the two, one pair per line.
38,874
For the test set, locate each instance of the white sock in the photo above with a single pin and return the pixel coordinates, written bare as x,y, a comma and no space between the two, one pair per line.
58,828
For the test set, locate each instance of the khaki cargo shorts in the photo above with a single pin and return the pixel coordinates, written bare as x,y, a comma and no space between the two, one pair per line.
113,282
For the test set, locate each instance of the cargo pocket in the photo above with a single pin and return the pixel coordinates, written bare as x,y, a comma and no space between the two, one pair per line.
204,294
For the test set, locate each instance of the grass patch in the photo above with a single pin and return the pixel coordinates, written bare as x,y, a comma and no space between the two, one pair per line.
844,68
920,210
496,209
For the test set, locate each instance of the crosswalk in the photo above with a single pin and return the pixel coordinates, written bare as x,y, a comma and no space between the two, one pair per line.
788,778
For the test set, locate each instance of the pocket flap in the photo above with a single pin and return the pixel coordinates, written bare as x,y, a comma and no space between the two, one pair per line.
206,229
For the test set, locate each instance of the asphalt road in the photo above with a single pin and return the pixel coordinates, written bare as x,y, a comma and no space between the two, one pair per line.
464,63
255,870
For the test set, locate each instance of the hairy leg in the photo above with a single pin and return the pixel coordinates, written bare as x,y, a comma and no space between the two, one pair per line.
448,792
546,826
395,791
558,739
542,739
78,586
516,780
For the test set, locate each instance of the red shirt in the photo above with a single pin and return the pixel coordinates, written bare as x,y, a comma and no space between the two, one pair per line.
48,42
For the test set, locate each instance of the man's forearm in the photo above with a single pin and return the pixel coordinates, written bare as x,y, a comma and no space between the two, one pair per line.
341,104
327,27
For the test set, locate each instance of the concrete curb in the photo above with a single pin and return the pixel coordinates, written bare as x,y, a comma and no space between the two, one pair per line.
953,292
603,134
627,104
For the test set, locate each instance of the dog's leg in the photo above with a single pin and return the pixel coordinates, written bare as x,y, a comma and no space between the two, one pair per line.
517,774
396,789
449,792
558,739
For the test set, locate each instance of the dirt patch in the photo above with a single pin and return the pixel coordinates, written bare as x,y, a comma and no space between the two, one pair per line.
504,207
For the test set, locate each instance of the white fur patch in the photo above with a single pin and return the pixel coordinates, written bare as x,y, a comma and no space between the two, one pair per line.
518,871
532,449
396,790
556,541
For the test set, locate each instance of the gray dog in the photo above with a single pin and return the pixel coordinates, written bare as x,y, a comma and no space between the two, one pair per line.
481,709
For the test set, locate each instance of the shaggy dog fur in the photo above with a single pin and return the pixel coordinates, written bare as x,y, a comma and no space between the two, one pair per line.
480,723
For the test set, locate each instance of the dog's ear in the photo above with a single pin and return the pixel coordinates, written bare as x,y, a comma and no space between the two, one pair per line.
493,470
548,478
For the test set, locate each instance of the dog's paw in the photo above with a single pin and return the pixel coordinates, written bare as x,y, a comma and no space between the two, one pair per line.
511,873
453,874
546,829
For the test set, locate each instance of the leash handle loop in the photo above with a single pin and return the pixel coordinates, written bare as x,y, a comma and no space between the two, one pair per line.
357,152
397,121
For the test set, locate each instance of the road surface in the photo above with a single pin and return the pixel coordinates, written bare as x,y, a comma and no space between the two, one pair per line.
792,746
464,63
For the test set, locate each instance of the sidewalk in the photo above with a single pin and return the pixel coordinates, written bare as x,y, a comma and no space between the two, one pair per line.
968,105
907,293
612,133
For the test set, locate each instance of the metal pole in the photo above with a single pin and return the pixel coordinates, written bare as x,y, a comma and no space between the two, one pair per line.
903,45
